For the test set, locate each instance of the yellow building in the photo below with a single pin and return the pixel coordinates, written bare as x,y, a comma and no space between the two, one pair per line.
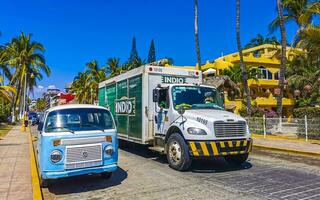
267,59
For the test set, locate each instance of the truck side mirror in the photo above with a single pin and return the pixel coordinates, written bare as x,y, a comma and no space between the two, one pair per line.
181,110
155,95
40,126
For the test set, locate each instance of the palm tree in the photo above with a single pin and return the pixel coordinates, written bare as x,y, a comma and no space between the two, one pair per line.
283,57
113,66
260,40
299,11
26,57
309,39
196,34
243,67
6,92
81,87
95,76
235,73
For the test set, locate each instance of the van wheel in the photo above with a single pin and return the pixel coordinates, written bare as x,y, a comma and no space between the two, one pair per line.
106,175
177,153
44,183
237,159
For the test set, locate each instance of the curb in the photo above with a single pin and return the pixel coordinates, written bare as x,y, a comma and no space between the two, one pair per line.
36,190
279,138
291,151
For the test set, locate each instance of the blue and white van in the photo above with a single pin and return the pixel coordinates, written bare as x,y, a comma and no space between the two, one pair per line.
75,140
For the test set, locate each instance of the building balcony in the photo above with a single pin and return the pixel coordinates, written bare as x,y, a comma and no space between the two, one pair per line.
263,82
272,101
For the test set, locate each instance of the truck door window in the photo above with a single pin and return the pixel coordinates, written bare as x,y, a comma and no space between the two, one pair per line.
163,99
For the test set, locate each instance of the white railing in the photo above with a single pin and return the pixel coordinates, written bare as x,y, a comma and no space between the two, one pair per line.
286,127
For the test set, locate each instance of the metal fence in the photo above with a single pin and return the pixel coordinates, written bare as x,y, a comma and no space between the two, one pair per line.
286,127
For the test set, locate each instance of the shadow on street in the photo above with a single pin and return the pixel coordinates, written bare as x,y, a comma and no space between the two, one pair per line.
209,165
86,183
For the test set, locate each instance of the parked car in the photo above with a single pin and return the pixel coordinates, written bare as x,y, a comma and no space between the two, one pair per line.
76,140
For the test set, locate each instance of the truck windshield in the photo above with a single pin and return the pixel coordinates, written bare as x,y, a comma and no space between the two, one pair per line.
196,97
78,119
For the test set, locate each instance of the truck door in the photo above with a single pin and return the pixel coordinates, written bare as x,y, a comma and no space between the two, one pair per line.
161,111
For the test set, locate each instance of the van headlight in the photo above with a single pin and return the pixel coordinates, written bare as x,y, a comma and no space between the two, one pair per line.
56,156
196,131
108,150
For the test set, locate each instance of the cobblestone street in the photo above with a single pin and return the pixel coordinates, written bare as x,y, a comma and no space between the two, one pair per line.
146,175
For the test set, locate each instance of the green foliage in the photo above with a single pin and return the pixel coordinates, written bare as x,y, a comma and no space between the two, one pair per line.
235,73
41,104
260,40
310,112
86,84
152,53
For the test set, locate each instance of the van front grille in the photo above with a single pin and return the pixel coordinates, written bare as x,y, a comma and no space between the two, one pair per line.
224,129
79,156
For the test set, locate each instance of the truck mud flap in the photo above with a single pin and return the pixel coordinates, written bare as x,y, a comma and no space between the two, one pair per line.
219,148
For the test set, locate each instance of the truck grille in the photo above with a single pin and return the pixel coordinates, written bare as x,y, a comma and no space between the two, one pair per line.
230,129
80,156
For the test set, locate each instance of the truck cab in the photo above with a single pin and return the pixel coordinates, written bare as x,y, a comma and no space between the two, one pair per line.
191,122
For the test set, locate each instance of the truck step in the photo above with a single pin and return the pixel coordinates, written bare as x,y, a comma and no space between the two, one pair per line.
157,149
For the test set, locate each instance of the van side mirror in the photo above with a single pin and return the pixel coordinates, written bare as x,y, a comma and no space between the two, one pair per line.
40,126
155,95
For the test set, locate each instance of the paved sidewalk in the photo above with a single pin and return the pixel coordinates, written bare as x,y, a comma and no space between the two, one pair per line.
15,176
289,145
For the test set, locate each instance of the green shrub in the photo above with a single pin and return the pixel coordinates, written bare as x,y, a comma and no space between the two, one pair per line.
311,112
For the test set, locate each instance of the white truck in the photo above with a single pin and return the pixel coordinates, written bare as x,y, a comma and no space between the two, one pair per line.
171,111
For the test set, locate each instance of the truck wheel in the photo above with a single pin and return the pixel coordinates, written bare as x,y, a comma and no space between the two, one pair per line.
237,159
177,153
106,175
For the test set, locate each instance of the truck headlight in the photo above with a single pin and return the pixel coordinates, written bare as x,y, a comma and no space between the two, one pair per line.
196,131
56,156
108,150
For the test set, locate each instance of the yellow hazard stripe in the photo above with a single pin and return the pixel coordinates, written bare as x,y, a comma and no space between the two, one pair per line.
245,143
204,148
230,144
194,149
214,148
238,143
250,147
222,145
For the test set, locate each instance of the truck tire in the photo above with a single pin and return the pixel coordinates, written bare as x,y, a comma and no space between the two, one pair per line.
177,153
237,159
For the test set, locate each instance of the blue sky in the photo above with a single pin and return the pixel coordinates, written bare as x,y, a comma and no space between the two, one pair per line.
77,31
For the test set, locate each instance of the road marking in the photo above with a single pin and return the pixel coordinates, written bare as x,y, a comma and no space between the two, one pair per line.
36,191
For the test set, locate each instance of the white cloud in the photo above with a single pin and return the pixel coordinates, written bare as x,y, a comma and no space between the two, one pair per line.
52,87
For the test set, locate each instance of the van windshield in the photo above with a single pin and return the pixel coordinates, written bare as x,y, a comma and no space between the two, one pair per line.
196,97
78,119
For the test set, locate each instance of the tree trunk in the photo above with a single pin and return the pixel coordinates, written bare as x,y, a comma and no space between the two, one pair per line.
243,67
196,34
14,103
283,57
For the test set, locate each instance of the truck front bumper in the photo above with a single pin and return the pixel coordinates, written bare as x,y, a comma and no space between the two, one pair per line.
220,148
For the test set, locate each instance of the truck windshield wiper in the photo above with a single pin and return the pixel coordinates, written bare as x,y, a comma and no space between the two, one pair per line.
61,127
